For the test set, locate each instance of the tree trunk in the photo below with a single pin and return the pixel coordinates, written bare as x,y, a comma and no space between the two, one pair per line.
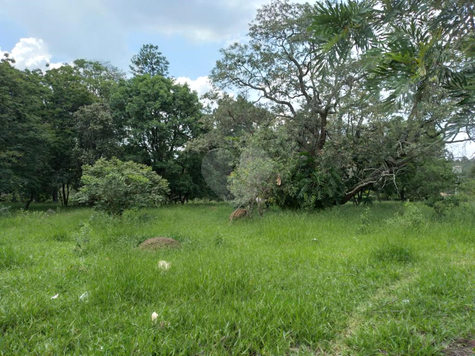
27,205
402,195
323,132
65,194
55,196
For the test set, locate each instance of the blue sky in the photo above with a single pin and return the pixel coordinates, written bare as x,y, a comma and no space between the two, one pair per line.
189,33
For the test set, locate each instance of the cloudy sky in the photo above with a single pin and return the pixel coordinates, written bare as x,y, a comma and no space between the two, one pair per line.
188,32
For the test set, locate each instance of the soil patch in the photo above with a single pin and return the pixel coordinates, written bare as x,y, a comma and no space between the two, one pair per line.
156,243
461,347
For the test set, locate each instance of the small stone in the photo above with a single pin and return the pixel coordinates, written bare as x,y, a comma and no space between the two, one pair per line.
164,265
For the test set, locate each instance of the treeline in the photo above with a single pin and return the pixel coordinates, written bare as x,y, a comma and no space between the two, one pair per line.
349,100
54,122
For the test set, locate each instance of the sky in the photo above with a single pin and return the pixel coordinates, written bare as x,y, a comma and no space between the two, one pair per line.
189,34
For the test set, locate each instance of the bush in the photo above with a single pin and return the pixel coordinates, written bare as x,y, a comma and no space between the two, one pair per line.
444,205
114,186
252,181
410,219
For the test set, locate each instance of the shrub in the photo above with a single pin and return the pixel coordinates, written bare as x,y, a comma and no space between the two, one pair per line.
114,186
393,253
411,218
252,181
444,205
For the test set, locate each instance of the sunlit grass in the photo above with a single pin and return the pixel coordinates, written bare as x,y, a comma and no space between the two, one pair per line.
343,281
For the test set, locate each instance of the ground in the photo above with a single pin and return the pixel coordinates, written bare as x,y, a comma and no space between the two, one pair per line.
390,279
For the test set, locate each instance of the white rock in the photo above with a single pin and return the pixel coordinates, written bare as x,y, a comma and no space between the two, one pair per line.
164,265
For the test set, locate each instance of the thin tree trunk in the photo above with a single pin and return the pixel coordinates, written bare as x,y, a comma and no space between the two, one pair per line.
64,195
27,206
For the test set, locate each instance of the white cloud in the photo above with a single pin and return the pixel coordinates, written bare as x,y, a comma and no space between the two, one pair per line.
32,53
100,29
201,85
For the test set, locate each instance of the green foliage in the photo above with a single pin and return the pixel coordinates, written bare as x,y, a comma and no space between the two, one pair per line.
82,238
444,204
365,222
253,178
25,139
149,61
394,253
114,186
97,133
160,117
68,92
409,219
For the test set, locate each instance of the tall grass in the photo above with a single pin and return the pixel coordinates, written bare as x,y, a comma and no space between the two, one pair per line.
390,279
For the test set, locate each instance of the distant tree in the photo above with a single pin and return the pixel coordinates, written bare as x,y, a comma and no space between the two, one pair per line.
25,140
67,92
231,122
149,61
100,78
97,135
114,186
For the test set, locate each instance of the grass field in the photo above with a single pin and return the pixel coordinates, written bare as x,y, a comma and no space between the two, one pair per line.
390,279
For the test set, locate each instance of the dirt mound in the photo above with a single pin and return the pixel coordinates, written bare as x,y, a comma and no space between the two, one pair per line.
462,347
237,214
156,243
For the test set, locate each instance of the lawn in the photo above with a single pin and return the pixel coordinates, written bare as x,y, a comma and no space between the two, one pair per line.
387,279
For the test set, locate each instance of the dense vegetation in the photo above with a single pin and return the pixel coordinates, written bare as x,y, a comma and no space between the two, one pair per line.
391,279
353,98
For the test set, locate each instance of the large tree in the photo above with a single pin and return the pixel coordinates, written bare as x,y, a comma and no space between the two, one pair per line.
160,117
320,84
24,138
67,94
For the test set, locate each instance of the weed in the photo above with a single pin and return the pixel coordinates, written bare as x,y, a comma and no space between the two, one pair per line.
364,226
410,219
393,253
82,238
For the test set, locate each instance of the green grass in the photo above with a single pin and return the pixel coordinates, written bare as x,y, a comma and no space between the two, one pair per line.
349,281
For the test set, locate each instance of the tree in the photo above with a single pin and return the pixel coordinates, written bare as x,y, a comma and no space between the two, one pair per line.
149,61
160,117
24,138
67,93
340,138
303,84
230,123
114,186
100,78
417,47
283,65
97,134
